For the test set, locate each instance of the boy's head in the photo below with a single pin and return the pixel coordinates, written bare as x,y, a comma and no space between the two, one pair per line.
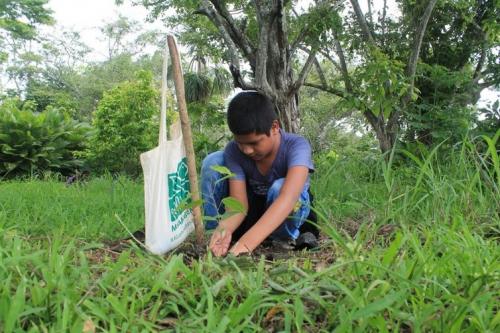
250,112
254,123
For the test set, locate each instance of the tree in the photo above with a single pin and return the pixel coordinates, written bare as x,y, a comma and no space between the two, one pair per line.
382,85
257,32
19,20
378,72
56,79
460,37
125,36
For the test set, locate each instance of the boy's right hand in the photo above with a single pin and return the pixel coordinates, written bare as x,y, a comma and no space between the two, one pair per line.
219,243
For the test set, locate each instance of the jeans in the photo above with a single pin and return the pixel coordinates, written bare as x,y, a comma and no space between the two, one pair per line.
213,190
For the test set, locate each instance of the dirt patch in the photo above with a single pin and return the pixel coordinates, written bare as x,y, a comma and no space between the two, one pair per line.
320,256
270,250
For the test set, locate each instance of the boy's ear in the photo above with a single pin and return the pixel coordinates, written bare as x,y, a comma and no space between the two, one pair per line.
275,127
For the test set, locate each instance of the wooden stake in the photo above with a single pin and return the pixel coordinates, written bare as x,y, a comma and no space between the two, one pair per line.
186,133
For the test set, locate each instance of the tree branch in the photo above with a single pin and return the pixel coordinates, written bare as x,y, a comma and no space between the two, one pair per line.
384,14
487,84
370,14
282,36
238,80
480,63
343,65
262,50
300,37
320,72
362,22
417,43
329,58
303,74
206,10
330,90
238,37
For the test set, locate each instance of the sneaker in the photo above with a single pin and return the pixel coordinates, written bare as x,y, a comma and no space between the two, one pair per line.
306,240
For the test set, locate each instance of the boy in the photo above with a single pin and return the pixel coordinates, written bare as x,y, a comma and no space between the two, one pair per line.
271,178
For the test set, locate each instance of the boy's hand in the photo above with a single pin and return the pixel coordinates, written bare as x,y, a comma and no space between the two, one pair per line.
219,243
239,248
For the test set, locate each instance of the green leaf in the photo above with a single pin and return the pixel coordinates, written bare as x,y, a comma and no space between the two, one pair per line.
96,310
187,203
15,308
392,251
117,305
377,306
233,205
221,169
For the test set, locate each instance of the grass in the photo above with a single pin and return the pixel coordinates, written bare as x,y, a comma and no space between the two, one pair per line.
412,246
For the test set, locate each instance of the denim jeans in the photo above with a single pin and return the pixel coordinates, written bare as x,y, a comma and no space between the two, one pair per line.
213,190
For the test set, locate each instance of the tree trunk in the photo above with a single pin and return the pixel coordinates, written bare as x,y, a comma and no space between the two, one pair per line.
269,55
386,132
288,113
386,140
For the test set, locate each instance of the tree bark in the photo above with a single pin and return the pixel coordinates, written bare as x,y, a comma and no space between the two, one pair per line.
386,134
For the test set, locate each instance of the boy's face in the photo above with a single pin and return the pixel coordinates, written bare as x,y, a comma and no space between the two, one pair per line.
259,146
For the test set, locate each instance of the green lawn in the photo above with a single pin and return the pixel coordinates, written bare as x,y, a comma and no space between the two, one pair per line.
412,248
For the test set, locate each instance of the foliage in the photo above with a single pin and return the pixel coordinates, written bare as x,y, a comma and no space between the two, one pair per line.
202,85
54,69
198,87
491,121
379,84
124,36
125,126
458,60
443,109
32,143
20,17
208,124
415,247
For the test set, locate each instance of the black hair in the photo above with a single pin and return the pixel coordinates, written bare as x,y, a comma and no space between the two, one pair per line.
250,112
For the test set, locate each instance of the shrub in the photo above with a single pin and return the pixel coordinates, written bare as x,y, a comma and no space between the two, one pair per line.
125,126
34,142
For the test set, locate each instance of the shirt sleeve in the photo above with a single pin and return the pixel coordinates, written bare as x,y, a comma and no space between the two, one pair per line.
300,153
233,162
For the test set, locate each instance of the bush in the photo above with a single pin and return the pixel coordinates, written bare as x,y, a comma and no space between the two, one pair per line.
34,142
125,126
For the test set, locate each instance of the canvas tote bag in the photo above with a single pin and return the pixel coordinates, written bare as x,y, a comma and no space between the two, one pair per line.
166,186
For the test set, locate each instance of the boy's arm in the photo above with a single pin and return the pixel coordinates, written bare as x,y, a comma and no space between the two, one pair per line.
276,214
219,243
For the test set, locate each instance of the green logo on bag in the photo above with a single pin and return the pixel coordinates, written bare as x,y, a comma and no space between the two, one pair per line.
178,191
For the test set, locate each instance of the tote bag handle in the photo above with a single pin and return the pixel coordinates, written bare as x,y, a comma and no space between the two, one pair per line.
175,128
163,115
